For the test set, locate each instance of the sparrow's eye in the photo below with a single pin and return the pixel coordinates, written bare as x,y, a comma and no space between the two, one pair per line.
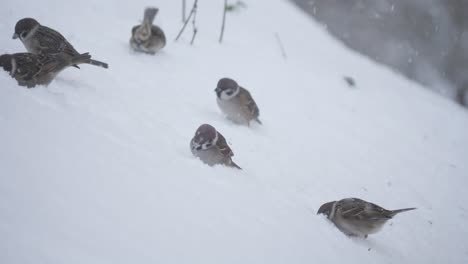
23,34
229,92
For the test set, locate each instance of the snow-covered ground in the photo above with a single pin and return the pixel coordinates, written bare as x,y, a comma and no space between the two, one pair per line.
96,167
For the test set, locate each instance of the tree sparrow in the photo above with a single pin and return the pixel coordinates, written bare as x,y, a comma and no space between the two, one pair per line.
211,147
39,39
236,102
31,69
356,217
147,37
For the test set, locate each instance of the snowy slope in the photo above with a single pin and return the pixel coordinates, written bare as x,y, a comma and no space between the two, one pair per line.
95,168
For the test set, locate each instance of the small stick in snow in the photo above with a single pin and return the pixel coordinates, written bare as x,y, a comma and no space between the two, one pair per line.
350,81
194,8
224,21
280,43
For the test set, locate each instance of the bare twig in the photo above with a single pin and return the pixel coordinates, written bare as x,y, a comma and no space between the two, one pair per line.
280,43
183,10
194,26
194,8
224,22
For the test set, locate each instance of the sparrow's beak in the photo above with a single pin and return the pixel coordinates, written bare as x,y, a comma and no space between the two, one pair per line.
15,36
217,90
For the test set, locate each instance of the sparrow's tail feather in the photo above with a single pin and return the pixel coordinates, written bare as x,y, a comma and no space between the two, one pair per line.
86,58
258,121
82,58
150,13
233,164
394,212
98,63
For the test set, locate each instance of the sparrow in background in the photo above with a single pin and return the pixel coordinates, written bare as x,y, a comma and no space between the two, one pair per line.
236,102
31,69
147,37
211,147
39,39
356,217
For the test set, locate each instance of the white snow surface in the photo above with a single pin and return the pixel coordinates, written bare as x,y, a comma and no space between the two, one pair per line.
96,168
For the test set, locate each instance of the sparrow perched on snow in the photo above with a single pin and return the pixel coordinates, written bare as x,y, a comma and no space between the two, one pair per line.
236,102
147,37
31,69
211,147
39,39
356,217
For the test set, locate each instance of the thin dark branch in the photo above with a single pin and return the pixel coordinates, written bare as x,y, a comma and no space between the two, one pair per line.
194,8
224,21
195,30
280,43
184,4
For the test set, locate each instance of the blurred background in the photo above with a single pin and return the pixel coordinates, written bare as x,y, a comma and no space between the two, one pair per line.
425,40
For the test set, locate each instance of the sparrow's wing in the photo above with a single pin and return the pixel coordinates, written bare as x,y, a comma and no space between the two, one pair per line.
357,209
248,104
135,29
223,146
52,42
226,151
28,66
157,31
51,63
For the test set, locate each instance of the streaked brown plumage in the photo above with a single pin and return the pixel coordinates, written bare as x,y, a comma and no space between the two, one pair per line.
31,69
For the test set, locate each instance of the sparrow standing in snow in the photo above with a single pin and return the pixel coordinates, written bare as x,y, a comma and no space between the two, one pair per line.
39,39
147,37
31,69
236,102
211,147
356,217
